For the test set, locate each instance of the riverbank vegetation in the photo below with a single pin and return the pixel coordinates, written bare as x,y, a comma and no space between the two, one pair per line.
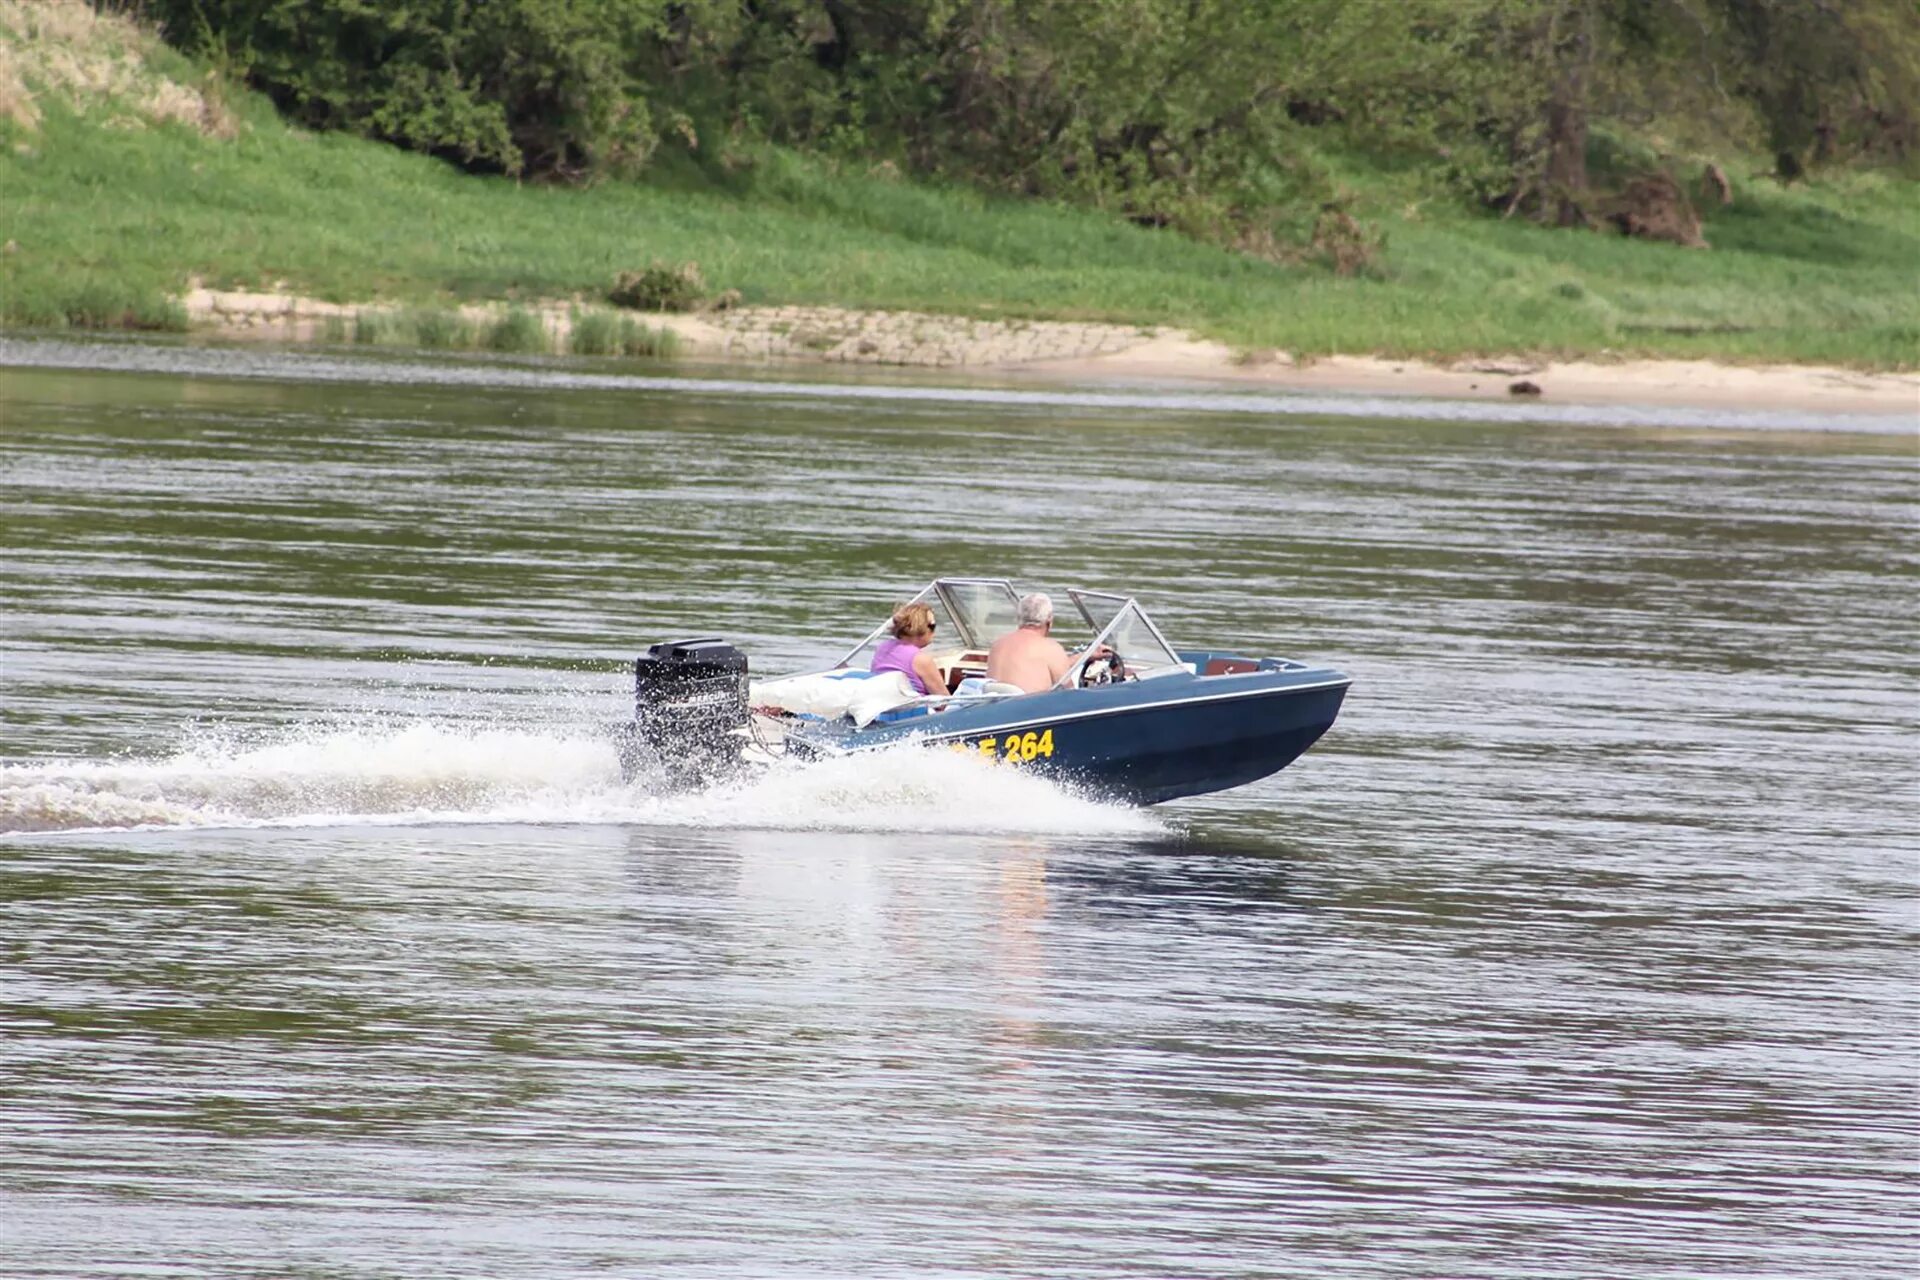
589,331
1302,176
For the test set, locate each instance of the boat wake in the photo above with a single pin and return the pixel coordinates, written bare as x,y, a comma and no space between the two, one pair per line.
419,772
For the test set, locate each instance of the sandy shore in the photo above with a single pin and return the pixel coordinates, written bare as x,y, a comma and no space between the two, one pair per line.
1696,383
1086,352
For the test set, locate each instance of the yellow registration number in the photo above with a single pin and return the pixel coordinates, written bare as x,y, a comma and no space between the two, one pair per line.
1015,748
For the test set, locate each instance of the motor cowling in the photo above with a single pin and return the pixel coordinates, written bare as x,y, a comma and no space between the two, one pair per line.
689,698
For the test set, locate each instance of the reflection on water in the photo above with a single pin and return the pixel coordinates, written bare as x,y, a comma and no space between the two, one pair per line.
1583,946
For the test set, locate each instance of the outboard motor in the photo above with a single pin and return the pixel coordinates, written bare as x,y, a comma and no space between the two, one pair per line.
689,696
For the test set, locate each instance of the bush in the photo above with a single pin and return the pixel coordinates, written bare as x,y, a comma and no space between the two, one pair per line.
541,87
1345,243
659,288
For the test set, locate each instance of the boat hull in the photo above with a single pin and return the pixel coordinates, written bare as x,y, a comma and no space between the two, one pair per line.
1143,742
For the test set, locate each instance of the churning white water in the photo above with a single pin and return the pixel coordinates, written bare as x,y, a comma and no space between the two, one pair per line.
418,771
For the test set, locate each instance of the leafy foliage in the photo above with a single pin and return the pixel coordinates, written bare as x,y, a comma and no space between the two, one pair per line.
1216,117
539,86
1827,80
1820,272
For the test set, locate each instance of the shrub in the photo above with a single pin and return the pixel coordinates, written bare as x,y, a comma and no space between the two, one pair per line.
659,288
1345,243
542,87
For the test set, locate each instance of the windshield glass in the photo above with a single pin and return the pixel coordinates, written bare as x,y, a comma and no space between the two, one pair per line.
1125,628
861,655
1097,607
984,608
967,612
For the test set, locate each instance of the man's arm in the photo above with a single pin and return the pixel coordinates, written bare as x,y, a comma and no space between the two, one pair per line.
1068,661
1059,662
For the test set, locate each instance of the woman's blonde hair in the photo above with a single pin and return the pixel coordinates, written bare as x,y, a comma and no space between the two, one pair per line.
911,620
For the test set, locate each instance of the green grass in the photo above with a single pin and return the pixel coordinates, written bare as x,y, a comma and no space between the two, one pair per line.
110,222
93,300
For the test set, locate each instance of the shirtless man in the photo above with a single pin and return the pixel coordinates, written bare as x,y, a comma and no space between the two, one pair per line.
1029,656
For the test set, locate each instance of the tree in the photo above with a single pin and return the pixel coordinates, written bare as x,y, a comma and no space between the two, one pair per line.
1828,79
1191,113
514,86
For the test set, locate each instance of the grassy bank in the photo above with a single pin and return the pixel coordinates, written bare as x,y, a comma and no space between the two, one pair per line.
106,213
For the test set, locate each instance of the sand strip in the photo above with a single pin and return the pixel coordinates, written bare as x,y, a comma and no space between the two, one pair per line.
1088,352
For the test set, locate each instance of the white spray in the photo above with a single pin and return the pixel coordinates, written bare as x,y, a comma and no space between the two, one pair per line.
424,771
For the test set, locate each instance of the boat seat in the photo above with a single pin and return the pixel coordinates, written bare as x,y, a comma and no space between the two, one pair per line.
980,686
1230,666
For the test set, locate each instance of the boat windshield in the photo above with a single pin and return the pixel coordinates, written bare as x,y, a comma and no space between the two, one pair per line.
983,608
1123,626
972,612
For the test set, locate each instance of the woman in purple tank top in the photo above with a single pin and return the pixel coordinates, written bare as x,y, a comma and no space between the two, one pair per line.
906,651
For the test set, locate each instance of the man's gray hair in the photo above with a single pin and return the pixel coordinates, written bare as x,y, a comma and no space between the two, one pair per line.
1035,610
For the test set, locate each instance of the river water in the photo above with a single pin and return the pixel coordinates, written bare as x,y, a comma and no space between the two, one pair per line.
332,945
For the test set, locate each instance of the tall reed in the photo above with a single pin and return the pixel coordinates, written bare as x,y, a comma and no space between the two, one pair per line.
439,329
518,330
602,333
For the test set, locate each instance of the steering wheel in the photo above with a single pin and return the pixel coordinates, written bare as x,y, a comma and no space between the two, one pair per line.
1103,668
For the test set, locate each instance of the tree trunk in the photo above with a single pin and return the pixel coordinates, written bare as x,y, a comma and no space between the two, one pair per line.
1566,170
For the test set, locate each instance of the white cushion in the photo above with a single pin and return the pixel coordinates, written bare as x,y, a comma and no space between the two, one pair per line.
831,694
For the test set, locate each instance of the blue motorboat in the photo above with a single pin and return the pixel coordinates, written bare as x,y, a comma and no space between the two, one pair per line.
1133,718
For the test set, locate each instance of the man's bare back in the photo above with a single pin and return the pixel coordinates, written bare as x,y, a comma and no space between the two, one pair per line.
1027,657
